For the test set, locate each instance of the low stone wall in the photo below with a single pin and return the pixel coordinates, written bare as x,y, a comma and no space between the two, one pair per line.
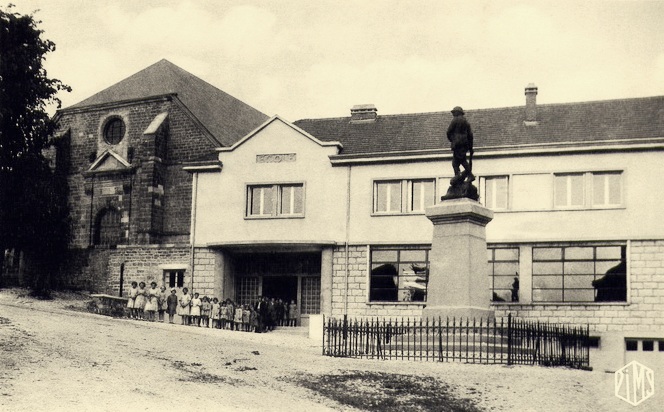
146,263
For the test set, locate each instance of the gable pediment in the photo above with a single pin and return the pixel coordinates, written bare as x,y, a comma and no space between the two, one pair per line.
109,162
278,122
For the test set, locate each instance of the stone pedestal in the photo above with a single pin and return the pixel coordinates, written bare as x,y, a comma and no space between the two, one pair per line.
459,272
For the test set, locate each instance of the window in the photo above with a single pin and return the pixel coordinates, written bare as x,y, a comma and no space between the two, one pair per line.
276,200
568,190
389,196
108,229
399,274
607,189
503,271
592,189
247,290
496,192
175,278
579,274
310,295
114,131
421,194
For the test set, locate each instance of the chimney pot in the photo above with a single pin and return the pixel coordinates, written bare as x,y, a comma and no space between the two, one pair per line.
531,103
363,112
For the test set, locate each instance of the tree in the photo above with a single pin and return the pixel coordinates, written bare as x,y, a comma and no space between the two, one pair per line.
34,215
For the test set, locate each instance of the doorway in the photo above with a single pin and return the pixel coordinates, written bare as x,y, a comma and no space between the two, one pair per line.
280,287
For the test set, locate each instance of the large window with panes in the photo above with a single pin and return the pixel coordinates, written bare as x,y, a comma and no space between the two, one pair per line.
399,273
403,196
504,273
579,273
275,200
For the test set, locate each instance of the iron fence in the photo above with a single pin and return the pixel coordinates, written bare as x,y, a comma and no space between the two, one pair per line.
500,341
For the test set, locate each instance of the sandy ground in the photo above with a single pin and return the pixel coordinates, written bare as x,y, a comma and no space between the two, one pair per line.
53,358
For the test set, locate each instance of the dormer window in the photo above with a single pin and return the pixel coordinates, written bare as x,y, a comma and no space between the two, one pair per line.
114,131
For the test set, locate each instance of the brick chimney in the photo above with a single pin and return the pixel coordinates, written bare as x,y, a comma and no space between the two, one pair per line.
531,103
363,113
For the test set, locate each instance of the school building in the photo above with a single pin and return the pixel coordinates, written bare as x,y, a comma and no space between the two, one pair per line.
330,212
174,180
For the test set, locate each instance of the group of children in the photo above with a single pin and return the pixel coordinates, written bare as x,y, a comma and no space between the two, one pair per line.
264,315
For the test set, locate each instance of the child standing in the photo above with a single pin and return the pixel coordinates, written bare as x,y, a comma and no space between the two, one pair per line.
223,314
238,317
206,308
246,317
139,304
184,309
131,303
293,314
172,305
230,314
162,305
215,313
196,310
152,296
253,320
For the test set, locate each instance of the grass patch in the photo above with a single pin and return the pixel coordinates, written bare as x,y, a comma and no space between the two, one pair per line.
377,391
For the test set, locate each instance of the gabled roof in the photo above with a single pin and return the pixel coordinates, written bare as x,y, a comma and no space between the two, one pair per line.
225,117
574,123
287,123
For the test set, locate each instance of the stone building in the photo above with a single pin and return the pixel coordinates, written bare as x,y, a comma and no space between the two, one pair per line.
330,213
124,149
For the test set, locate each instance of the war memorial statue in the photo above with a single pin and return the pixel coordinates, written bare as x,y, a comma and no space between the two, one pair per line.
460,135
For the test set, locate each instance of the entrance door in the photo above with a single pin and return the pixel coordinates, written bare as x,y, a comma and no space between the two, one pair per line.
280,287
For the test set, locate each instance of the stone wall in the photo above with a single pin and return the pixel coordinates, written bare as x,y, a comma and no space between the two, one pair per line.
642,314
156,201
355,297
146,263
206,272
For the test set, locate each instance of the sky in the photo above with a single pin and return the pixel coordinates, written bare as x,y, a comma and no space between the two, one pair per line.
312,59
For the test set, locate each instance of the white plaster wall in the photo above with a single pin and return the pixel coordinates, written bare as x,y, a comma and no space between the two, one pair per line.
639,218
221,197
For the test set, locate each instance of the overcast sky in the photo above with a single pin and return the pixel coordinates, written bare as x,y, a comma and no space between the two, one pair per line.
309,59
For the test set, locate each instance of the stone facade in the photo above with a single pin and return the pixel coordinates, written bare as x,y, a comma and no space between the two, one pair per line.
207,275
353,298
642,312
152,196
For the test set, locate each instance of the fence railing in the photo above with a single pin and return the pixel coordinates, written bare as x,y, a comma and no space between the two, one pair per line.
503,341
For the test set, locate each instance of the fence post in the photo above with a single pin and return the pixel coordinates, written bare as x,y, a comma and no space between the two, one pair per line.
509,338
323,334
345,334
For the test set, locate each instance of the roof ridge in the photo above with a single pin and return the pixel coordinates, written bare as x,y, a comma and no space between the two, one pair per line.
608,101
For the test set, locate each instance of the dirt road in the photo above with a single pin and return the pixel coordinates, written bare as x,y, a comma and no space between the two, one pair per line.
61,360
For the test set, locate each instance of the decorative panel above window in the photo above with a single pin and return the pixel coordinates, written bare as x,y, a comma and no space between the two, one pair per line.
275,200
403,196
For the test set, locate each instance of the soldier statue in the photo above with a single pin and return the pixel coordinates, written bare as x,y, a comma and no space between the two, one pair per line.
461,137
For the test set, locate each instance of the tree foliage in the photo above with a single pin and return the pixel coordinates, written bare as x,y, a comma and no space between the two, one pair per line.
33,196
